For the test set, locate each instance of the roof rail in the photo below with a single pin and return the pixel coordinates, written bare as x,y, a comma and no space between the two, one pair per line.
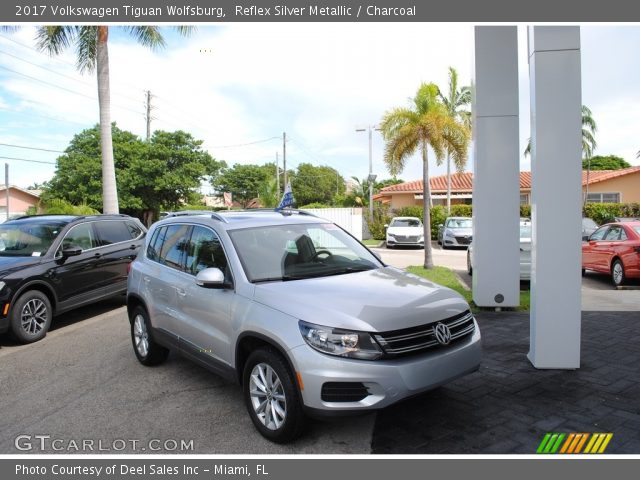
220,218
284,211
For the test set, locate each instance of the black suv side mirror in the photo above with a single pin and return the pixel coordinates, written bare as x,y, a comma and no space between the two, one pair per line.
71,251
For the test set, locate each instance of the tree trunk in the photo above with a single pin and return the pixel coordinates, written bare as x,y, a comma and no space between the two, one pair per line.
448,184
426,205
109,190
586,191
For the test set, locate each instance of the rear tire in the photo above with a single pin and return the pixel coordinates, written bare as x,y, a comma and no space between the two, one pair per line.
271,396
146,349
31,316
617,273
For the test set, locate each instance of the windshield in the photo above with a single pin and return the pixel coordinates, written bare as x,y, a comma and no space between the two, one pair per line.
637,229
27,239
294,252
459,223
406,222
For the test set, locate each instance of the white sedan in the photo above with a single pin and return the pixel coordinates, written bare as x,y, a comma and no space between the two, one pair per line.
405,231
525,252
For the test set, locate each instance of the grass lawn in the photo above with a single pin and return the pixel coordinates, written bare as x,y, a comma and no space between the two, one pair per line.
446,276
371,242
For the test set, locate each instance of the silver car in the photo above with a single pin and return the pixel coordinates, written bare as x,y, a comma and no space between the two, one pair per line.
405,231
298,312
525,251
455,232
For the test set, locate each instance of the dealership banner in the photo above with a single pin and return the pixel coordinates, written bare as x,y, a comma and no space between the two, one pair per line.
180,11
374,468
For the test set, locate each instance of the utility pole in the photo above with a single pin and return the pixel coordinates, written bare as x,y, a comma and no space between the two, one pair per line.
277,175
6,184
371,178
148,114
284,157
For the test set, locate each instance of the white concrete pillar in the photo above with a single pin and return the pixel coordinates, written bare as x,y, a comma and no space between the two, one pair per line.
556,153
496,191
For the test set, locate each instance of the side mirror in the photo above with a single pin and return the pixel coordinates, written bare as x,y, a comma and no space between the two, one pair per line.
386,225
210,278
71,251
585,238
441,225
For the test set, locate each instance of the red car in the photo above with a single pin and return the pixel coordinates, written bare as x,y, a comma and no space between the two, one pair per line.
614,249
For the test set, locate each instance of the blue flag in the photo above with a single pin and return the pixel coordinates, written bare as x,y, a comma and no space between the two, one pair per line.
287,198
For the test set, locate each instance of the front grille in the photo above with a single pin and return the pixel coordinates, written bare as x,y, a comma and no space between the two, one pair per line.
410,341
343,392
463,240
407,238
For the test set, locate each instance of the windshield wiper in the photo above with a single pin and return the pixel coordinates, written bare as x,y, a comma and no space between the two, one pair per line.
284,278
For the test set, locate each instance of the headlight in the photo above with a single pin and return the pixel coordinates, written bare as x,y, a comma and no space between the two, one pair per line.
391,235
342,343
448,233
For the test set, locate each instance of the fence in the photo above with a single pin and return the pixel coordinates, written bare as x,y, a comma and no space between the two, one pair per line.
348,218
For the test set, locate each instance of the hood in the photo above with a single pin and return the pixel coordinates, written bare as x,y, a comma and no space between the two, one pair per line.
373,301
407,231
459,232
11,264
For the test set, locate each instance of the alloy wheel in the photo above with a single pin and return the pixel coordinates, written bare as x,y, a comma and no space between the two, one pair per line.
33,316
141,336
267,396
618,273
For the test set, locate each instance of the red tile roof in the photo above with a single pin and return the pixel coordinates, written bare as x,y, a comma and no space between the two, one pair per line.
463,182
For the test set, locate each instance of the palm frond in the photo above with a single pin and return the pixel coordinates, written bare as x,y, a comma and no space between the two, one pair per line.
147,36
86,48
186,30
54,39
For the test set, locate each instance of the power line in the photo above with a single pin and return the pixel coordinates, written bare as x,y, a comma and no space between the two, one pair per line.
28,160
86,84
29,114
63,88
246,144
30,148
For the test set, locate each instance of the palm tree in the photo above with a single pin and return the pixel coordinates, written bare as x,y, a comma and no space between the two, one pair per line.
92,54
455,103
425,124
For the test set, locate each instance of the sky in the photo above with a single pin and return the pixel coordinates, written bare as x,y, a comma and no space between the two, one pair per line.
238,87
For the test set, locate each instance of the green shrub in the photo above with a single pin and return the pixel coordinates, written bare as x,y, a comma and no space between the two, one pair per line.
461,210
606,212
381,217
525,210
62,207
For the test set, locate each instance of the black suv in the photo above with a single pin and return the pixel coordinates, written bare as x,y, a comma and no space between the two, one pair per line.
52,263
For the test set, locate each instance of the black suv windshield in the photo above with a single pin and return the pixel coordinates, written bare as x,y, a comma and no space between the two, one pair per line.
28,239
294,252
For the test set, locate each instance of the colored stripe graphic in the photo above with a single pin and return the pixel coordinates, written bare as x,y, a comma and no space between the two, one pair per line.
573,443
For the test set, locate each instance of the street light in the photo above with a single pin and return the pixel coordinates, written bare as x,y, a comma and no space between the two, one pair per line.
371,178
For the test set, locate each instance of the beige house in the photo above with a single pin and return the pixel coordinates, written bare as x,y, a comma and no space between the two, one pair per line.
19,201
605,186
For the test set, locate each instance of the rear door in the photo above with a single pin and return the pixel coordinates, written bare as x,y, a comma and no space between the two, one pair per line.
117,250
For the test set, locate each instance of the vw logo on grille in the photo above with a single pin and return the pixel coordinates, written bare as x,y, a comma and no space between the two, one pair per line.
443,334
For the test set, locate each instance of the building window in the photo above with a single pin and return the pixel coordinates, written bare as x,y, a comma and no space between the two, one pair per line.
524,199
603,198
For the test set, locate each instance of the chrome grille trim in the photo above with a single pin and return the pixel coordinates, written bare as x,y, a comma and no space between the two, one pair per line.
421,338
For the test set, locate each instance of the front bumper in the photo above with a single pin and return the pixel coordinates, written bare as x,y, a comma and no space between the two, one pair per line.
408,242
4,324
388,381
456,241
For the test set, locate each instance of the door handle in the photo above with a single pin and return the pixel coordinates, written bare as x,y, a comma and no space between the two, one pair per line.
181,292
97,255
146,279
133,247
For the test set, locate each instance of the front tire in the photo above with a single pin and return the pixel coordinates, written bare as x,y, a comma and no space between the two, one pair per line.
617,273
146,349
271,396
31,317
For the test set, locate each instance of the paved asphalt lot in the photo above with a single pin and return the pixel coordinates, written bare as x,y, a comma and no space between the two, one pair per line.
83,382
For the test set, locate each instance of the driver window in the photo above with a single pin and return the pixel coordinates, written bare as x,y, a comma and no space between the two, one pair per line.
80,236
599,234
205,251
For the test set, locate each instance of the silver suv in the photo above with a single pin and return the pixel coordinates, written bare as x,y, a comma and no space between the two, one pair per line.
297,311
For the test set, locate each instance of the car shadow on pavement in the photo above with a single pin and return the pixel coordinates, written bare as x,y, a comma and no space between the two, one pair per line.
72,317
